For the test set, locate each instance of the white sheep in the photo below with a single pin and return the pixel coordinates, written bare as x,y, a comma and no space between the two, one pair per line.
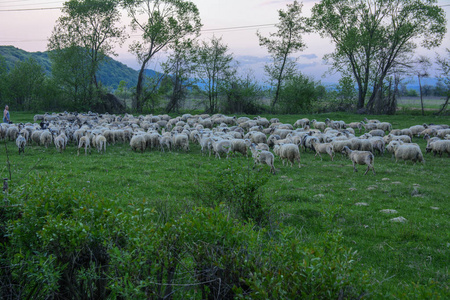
408,152
221,146
181,141
100,143
439,147
263,157
21,142
138,142
86,143
360,158
323,148
61,142
291,153
45,138
239,145
319,125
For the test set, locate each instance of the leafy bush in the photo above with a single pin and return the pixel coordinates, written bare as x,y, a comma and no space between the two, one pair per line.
63,243
240,189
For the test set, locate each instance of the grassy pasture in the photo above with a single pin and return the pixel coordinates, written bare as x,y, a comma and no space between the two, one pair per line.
313,199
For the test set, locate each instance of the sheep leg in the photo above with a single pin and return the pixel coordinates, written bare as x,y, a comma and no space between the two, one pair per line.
354,167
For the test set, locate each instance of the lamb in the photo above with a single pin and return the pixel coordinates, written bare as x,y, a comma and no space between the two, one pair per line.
36,136
138,142
100,143
369,126
239,145
443,132
319,125
301,123
360,158
377,132
12,132
361,145
263,157
439,147
417,129
407,132
338,145
221,146
166,140
323,148
385,126
408,152
45,138
354,125
86,143
291,153
181,141
60,142
21,142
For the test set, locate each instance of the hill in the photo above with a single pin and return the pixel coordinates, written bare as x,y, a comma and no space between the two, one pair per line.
111,72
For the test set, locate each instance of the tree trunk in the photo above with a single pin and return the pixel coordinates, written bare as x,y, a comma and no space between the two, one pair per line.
443,106
421,95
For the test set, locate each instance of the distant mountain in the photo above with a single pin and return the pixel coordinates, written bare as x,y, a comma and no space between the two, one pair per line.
111,72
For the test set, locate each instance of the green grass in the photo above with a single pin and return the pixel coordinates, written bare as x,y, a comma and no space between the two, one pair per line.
429,103
319,197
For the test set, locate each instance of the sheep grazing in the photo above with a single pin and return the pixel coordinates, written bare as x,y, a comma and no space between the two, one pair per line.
45,138
238,145
221,146
138,142
408,152
291,153
181,141
323,148
86,143
100,143
263,157
319,125
301,123
360,158
21,142
354,125
439,147
61,142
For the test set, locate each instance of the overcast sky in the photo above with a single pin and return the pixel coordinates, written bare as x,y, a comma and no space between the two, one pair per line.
30,29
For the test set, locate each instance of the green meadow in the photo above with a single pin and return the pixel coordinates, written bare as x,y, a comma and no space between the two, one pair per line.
402,260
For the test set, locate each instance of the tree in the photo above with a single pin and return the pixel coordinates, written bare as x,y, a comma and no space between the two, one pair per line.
286,41
422,65
372,37
179,67
161,23
91,26
212,66
70,74
444,78
25,84
298,94
3,79
241,95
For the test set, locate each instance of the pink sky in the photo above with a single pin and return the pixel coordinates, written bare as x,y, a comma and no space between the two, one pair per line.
29,30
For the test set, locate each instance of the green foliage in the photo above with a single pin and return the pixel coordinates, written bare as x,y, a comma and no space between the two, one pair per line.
282,44
212,66
298,94
241,95
371,39
161,24
240,189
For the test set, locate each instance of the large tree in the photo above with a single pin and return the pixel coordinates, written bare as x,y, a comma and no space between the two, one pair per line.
282,44
372,37
90,25
212,65
444,77
161,23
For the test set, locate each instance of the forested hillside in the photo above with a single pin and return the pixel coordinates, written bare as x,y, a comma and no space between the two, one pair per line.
110,73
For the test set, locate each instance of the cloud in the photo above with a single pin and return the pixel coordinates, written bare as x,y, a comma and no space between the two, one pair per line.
309,56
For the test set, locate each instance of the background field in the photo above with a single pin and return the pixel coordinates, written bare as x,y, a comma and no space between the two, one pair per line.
320,196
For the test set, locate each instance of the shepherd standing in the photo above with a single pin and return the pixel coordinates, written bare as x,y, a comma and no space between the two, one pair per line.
6,118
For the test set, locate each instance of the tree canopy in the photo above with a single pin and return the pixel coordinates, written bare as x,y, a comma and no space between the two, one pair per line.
372,37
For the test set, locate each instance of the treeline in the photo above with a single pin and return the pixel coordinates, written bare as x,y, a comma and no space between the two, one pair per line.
374,52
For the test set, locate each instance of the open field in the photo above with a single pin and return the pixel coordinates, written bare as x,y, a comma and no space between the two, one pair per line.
319,197
413,103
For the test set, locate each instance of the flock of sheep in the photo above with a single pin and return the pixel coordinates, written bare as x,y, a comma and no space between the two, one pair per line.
224,135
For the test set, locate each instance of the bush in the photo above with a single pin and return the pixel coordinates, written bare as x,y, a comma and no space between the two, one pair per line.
63,243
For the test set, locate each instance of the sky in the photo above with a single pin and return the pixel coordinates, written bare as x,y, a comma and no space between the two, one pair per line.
27,24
